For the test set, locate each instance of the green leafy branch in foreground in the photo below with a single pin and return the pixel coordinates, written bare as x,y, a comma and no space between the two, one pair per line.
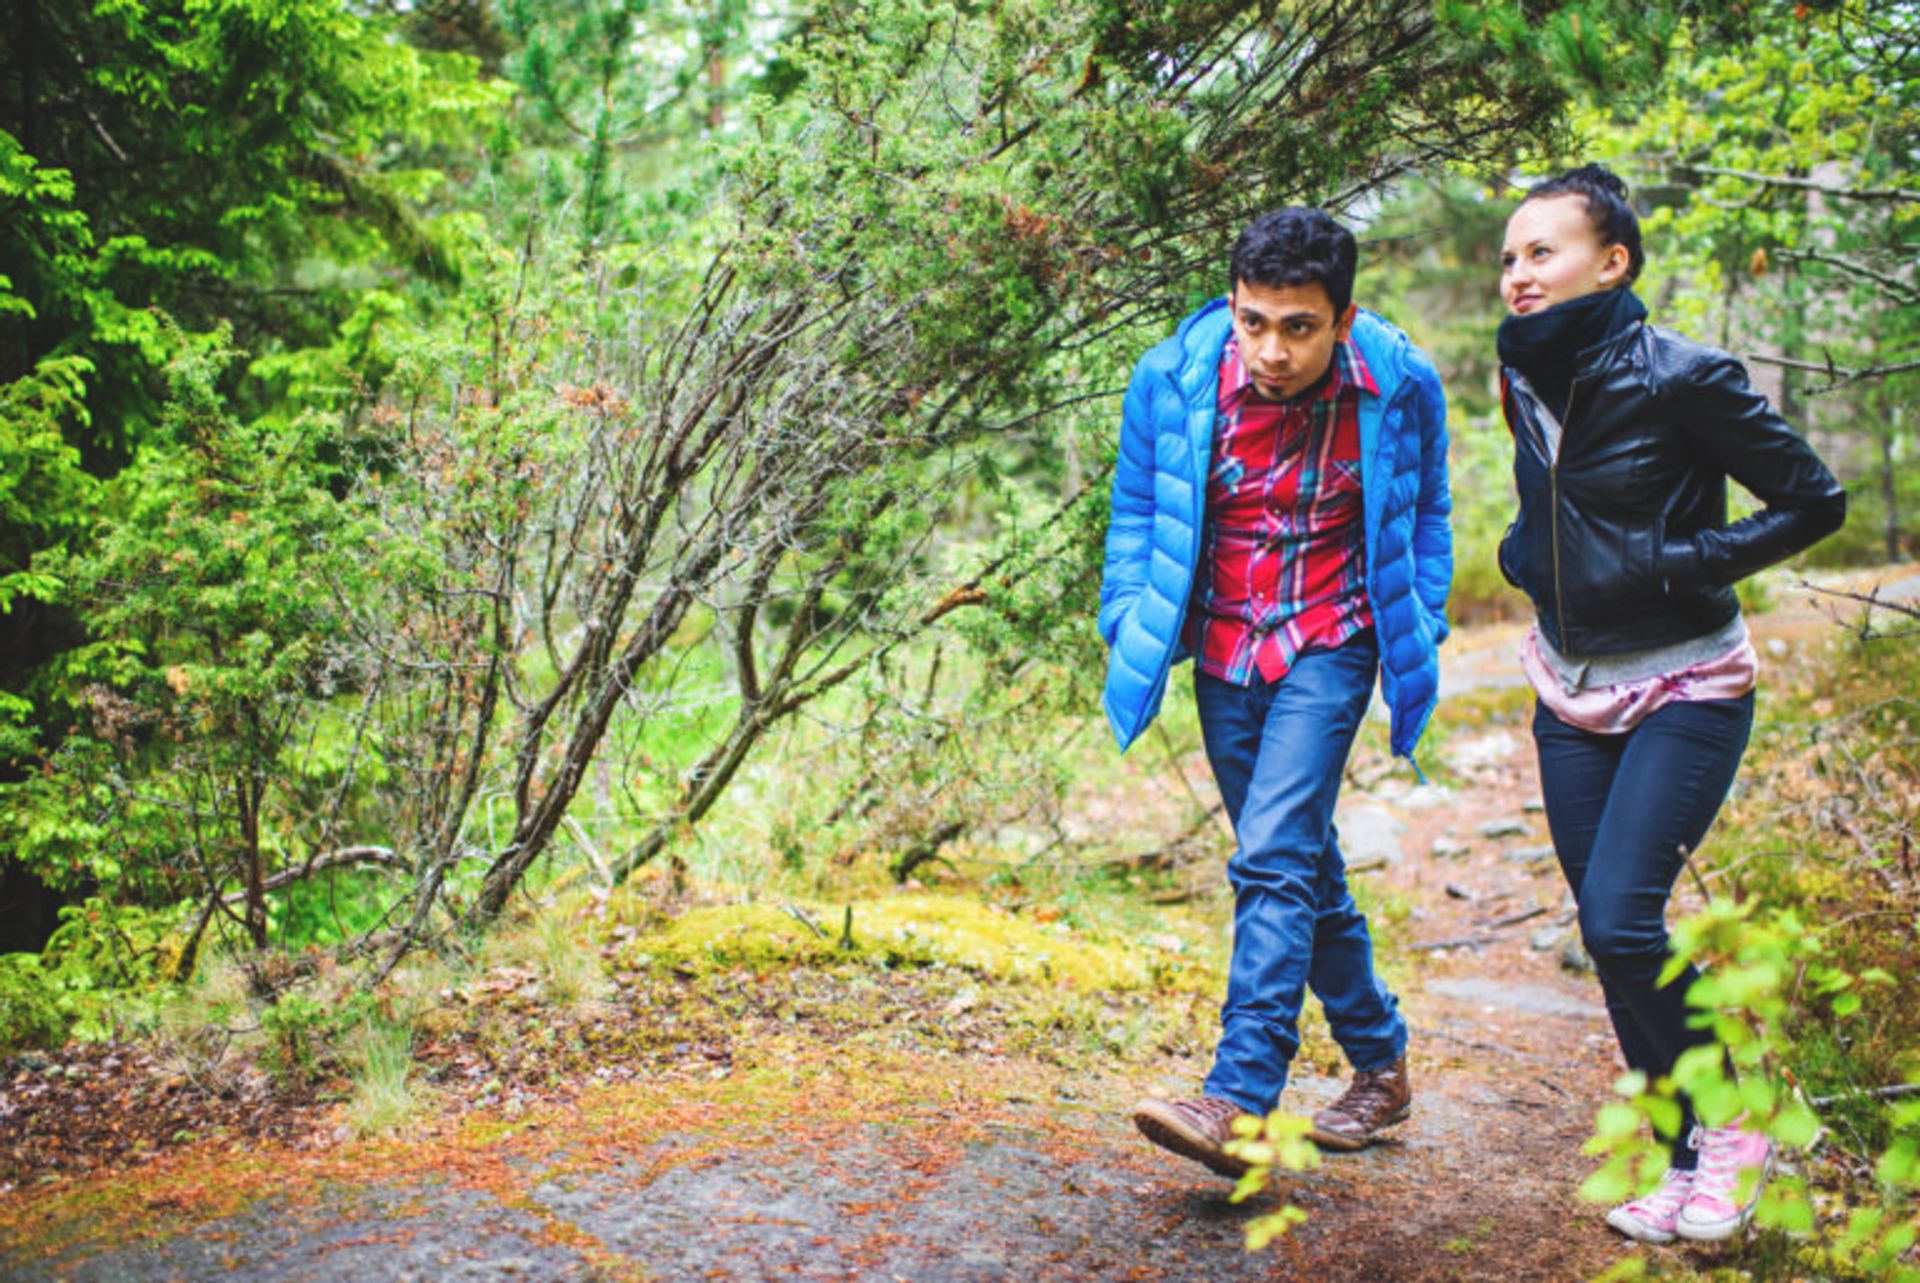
1766,964
1277,1142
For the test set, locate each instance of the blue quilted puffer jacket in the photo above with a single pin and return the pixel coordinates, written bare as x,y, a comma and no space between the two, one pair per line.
1159,512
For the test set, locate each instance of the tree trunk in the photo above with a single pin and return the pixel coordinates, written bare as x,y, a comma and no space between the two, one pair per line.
252,874
27,55
1889,488
716,86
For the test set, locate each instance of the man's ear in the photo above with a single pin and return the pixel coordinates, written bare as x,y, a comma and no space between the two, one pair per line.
1345,325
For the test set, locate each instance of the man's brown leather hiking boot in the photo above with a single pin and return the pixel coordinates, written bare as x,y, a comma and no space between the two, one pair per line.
1196,1129
1374,1100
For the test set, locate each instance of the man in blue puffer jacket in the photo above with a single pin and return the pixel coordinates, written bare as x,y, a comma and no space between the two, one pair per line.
1280,515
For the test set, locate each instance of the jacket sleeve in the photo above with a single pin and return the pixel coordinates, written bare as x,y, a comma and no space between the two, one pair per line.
1130,513
1732,426
1433,510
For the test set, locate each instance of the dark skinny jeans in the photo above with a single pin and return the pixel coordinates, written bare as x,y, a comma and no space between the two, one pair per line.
1625,810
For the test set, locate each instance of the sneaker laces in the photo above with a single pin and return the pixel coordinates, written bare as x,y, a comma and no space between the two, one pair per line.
1664,1202
1721,1160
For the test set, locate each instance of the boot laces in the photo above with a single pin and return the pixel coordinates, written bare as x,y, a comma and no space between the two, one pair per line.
1366,1089
1215,1108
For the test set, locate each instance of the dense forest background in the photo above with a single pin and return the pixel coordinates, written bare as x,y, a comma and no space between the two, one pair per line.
456,451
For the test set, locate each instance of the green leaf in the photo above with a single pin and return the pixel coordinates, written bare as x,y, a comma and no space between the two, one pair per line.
1262,1230
1611,1182
1757,1095
1796,1124
1784,1208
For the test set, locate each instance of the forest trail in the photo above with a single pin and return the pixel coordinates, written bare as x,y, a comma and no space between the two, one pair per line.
782,1159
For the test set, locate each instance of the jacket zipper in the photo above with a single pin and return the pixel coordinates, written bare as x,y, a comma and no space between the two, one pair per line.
1553,481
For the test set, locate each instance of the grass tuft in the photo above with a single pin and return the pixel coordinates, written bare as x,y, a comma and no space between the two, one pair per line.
384,1095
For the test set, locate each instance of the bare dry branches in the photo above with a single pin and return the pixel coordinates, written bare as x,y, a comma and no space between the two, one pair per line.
1839,191
1872,600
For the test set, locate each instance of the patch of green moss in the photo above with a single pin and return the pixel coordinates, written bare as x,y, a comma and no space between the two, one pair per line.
1485,706
480,1130
910,931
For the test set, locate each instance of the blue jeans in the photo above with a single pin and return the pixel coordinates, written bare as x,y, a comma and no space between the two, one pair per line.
1624,810
1278,751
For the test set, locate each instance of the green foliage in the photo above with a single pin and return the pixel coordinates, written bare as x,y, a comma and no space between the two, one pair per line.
1481,473
88,981
618,103
101,946
1431,262
261,165
1762,963
30,1009
45,495
1606,50
229,149
47,498
217,600
297,1029
333,907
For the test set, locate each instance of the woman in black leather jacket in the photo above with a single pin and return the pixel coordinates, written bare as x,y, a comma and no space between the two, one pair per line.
1624,438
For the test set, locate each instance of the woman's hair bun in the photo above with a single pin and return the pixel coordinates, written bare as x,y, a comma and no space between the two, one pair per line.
1599,176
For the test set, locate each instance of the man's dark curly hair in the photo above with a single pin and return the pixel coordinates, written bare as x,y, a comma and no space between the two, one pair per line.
1296,246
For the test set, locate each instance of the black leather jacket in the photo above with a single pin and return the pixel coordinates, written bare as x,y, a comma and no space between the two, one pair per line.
1622,540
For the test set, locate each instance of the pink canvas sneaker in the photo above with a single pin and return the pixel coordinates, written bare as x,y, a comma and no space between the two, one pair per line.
1651,1217
1726,1155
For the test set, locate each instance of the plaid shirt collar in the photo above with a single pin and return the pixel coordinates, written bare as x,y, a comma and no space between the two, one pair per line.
1349,369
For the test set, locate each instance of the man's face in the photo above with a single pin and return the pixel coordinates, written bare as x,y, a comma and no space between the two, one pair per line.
1286,335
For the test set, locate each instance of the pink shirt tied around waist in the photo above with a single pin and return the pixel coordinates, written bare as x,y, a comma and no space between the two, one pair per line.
1618,708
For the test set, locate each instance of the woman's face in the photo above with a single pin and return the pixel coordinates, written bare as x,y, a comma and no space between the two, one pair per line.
1553,254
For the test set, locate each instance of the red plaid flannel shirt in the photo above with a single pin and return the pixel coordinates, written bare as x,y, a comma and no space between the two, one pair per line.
1283,562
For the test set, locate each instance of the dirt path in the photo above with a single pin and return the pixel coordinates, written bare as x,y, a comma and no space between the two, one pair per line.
899,1164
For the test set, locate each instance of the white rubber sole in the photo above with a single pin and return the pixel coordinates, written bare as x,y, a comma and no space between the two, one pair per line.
1636,1229
1712,1231
1718,1231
